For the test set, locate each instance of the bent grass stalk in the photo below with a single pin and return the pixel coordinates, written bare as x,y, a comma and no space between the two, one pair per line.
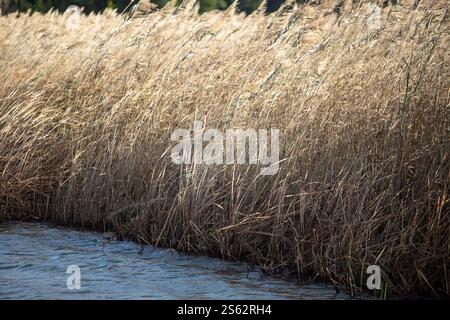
86,116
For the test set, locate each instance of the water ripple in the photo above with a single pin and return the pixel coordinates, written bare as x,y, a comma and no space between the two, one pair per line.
34,259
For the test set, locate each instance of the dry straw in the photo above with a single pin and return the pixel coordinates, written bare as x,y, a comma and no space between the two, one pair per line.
86,115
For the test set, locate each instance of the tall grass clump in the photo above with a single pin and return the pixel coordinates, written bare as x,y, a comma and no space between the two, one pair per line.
86,116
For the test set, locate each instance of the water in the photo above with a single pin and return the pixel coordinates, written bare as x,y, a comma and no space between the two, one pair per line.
34,260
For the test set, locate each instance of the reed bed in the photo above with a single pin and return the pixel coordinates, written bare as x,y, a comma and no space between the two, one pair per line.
86,116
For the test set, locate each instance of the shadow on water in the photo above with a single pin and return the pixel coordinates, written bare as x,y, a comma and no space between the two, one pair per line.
34,259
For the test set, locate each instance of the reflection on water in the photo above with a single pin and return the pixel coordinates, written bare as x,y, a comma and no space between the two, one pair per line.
34,259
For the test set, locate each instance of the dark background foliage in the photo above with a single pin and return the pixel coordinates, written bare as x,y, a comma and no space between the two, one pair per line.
98,5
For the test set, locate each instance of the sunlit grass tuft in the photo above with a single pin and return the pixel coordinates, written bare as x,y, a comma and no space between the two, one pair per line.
86,115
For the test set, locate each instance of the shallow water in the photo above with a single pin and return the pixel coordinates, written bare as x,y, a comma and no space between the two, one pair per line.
34,259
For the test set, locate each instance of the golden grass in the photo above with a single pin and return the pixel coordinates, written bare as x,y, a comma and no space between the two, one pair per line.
86,115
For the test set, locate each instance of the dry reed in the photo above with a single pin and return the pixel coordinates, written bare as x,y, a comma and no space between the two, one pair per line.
85,119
